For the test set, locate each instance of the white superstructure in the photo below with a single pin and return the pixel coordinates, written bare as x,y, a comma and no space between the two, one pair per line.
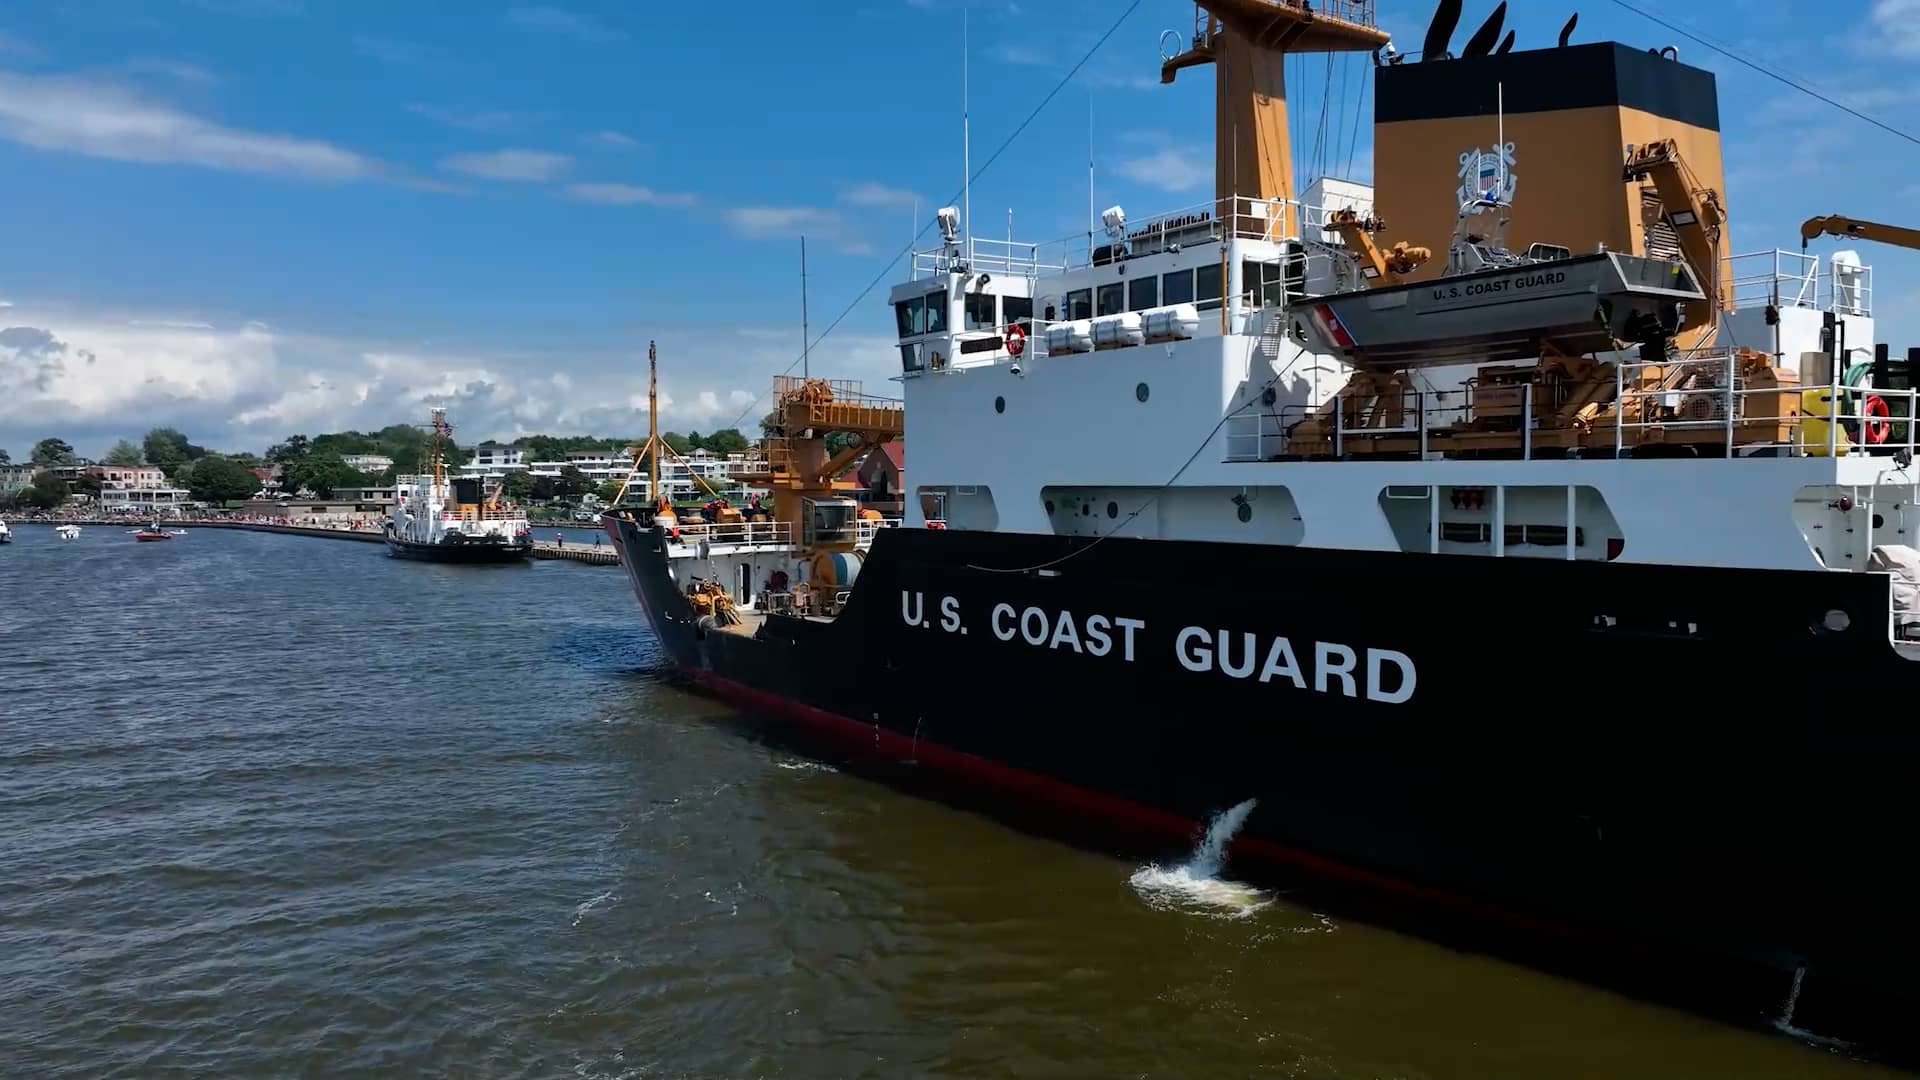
1159,375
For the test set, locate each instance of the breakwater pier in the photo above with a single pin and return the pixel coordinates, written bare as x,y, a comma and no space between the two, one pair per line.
586,554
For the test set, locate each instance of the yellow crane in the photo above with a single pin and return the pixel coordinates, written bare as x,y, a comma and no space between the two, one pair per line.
1692,210
1836,225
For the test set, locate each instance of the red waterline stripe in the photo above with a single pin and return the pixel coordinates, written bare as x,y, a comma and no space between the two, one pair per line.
1079,800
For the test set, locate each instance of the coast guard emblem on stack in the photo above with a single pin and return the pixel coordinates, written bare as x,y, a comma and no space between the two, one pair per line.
1487,175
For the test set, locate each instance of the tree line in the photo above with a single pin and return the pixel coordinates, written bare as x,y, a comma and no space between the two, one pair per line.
318,463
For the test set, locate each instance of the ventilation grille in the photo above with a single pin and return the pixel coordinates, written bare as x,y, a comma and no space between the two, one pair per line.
1661,243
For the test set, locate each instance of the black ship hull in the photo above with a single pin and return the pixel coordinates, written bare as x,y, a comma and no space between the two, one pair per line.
467,552
1668,769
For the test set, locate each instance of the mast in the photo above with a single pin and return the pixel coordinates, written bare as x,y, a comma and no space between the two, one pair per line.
806,335
1247,42
653,425
440,430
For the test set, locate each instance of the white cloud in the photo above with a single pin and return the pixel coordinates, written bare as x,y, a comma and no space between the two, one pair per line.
100,120
616,140
511,164
1896,26
791,222
173,69
552,20
872,194
762,221
93,376
626,195
1169,169
483,121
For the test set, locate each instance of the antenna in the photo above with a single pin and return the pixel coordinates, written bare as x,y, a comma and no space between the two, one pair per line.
1500,135
1093,216
966,138
806,347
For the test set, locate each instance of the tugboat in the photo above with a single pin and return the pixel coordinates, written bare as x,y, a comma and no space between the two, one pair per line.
438,519
1570,589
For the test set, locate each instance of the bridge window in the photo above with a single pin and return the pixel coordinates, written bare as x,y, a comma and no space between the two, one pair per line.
1143,293
1207,287
936,313
1177,287
1017,309
1113,299
912,316
1080,304
980,314
1262,284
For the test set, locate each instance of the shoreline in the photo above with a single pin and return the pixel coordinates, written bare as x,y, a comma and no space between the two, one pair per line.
586,555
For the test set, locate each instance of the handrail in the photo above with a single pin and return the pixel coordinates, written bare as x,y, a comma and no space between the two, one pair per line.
1704,392
1237,216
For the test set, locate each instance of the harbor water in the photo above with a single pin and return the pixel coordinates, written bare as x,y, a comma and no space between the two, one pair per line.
273,806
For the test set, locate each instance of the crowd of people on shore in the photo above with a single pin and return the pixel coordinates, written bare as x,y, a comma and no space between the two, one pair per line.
67,515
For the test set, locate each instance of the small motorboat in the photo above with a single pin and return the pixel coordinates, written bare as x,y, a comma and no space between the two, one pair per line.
67,532
152,532
6,534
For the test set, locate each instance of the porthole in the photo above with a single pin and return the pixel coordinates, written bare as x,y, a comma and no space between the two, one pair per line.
1269,396
1879,522
1140,393
1086,509
999,404
1113,509
1245,512
1836,621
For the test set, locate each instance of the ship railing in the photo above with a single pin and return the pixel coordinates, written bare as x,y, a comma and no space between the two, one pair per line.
737,534
1799,279
1210,222
1706,392
976,254
865,529
1702,401
1267,434
844,391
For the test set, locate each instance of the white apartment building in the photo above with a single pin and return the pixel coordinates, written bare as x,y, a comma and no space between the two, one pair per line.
136,489
15,478
368,463
162,500
495,462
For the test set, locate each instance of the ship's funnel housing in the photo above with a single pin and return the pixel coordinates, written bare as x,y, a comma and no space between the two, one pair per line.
1569,115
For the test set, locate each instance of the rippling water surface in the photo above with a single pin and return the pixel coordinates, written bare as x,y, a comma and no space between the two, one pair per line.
272,806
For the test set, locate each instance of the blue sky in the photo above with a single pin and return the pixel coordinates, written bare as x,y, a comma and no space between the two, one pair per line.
253,217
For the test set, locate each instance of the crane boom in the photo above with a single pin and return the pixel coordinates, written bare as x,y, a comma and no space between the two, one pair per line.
1695,213
1837,225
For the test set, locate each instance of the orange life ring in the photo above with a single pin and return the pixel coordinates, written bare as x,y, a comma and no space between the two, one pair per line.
1877,430
1016,340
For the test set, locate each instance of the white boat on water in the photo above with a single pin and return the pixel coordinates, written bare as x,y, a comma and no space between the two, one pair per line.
6,534
66,532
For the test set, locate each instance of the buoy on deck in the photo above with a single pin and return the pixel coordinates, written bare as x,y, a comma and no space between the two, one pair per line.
836,569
